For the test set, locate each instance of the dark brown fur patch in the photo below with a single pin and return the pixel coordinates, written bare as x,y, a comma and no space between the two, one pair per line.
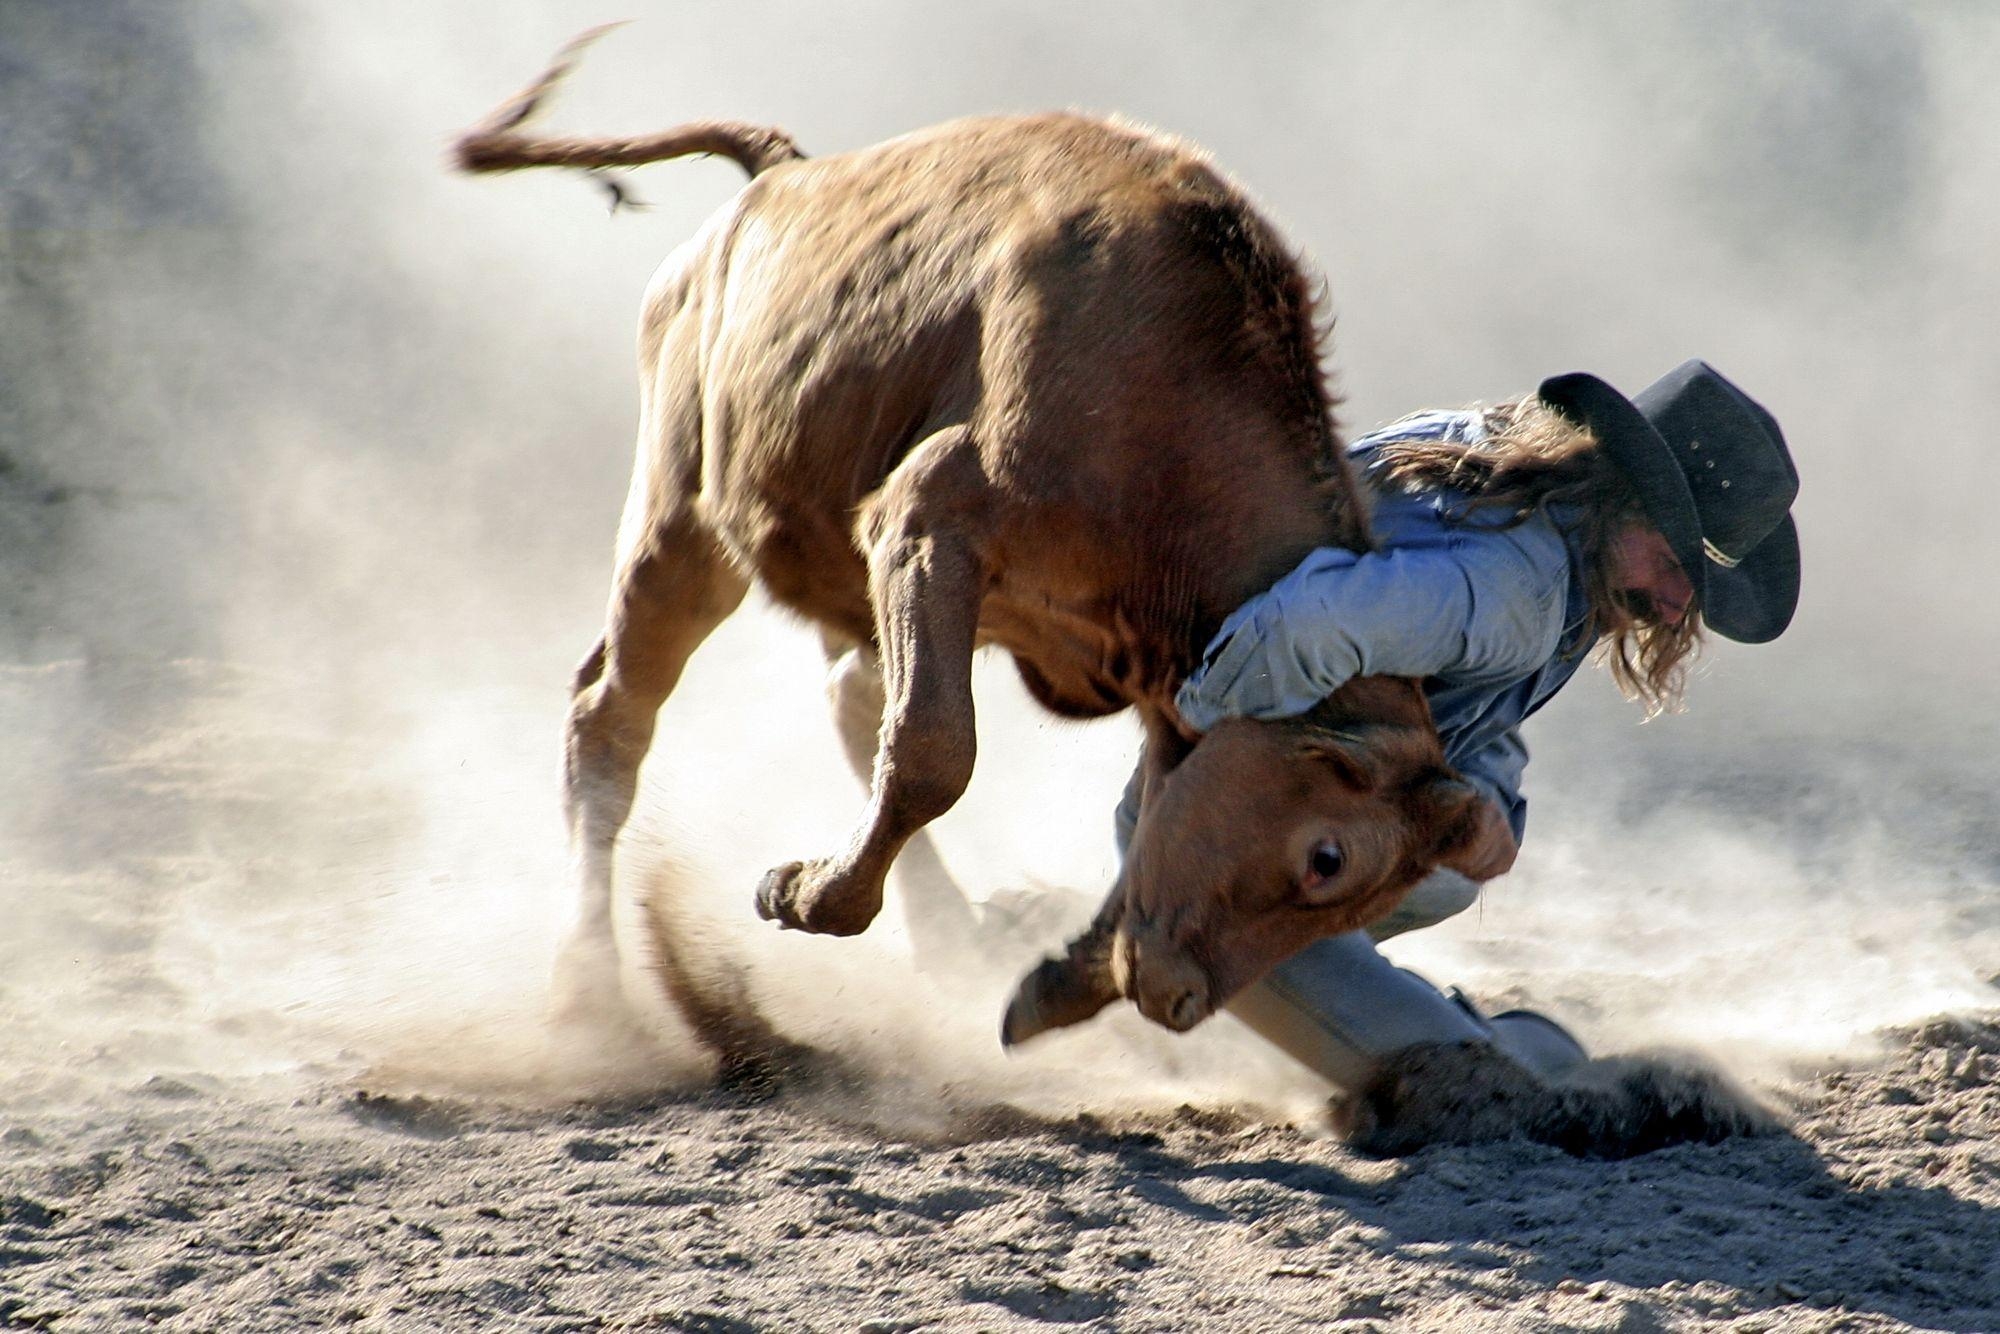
1282,325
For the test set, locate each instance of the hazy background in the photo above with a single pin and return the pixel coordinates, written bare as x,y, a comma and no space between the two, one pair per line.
311,454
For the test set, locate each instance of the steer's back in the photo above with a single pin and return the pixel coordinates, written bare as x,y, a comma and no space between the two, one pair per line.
1130,344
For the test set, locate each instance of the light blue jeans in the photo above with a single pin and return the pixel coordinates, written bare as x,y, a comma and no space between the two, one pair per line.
1341,1009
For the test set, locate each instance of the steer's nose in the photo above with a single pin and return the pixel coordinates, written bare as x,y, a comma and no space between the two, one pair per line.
1168,986
1174,997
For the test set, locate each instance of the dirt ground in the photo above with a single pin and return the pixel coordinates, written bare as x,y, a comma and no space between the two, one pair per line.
210,1204
194,1136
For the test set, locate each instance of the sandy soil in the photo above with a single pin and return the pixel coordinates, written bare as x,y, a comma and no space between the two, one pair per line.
230,1102
213,1204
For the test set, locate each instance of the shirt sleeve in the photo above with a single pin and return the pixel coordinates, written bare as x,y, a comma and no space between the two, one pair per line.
1496,769
1485,603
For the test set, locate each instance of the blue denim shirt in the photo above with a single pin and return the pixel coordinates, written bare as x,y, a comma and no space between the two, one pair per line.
1493,619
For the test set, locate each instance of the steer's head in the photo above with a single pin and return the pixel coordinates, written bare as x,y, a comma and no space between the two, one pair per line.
1267,837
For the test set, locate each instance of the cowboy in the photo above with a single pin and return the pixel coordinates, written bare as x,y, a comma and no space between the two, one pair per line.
1512,541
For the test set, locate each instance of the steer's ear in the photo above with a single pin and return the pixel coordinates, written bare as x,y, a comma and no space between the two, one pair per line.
1474,838
1346,753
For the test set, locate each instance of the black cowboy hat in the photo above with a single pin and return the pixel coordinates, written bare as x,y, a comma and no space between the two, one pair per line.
1712,473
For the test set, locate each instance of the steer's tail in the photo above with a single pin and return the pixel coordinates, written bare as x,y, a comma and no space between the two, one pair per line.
496,143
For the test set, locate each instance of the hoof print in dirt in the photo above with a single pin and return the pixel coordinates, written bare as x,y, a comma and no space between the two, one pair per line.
764,1072
424,1118
1613,1107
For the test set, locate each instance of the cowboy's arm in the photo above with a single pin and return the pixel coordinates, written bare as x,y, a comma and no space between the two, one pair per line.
1488,602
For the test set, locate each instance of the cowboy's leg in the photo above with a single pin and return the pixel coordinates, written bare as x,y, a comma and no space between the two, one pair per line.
1342,1010
1441,894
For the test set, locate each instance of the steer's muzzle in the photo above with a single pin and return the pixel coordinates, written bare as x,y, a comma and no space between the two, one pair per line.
1107,962
1163,979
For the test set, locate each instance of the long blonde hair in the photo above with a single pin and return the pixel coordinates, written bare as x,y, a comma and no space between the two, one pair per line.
1532,461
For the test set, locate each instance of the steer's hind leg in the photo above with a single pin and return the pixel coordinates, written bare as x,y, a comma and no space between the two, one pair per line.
924,534
941,924
674,586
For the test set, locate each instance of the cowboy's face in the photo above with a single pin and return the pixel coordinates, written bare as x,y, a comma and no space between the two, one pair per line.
1647,576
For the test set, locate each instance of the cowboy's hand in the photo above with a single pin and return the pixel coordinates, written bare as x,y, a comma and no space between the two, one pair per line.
1228,683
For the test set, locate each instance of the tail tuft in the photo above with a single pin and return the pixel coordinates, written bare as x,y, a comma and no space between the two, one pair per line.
496,143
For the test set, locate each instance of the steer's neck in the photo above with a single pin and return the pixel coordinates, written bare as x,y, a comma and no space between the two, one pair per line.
1266,547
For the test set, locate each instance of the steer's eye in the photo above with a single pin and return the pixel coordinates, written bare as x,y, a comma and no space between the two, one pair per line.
1325,861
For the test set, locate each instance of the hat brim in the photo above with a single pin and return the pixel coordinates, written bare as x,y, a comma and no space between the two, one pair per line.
1751,602
1644,456
1754,602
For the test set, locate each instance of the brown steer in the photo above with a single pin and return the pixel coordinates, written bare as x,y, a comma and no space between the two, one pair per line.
1048,383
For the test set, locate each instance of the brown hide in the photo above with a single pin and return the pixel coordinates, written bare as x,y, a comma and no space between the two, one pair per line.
1048,383
1267,837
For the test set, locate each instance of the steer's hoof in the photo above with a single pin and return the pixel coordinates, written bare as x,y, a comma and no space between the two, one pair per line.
588,990
805,896
774,894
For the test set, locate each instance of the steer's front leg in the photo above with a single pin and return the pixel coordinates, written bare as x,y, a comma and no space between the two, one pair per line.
923,533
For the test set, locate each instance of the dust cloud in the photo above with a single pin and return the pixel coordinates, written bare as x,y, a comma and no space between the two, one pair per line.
311,454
